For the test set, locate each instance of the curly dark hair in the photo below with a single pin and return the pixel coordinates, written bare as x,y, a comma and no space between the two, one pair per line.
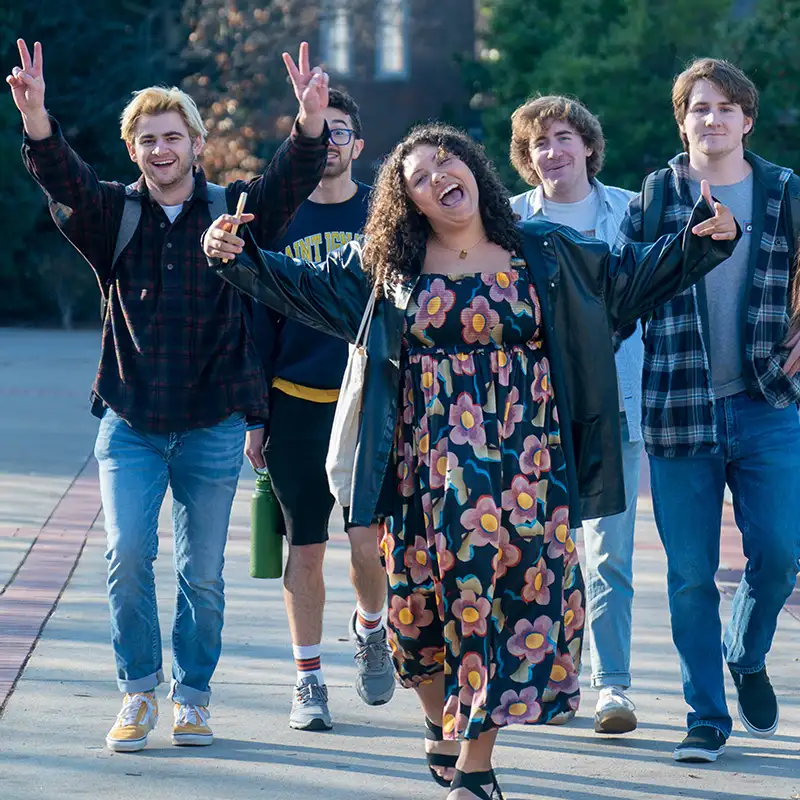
396,233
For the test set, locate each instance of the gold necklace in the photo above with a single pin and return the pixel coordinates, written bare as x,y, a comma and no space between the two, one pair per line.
462,254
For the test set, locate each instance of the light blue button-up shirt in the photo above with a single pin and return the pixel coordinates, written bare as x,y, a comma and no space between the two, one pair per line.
630,356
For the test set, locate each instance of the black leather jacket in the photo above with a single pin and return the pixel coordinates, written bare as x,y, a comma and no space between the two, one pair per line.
585,293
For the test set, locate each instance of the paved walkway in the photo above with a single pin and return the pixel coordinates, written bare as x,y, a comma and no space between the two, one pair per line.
52,724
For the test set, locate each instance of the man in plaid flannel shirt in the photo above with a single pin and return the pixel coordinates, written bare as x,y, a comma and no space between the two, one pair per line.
178,371
719,408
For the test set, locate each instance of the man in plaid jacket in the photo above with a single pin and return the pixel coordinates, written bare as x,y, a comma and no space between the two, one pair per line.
719,408
178,371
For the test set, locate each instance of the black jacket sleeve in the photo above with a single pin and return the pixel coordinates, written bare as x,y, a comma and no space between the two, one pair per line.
330,296
641,277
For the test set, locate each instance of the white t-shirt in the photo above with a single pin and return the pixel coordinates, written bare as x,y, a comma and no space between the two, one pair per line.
582,216
173,211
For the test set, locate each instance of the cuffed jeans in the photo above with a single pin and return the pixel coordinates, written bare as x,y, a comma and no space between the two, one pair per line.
608,543
202,466
760,461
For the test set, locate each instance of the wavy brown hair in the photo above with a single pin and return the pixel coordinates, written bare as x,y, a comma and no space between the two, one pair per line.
534,117
396,233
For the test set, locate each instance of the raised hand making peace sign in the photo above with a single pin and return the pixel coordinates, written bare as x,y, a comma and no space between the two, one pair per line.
27,89
311,90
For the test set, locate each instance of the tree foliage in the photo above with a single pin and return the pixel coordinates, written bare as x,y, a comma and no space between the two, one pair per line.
764,45
620,57
238,79
96,52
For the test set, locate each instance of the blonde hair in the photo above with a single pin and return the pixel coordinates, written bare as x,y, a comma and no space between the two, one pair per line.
159,100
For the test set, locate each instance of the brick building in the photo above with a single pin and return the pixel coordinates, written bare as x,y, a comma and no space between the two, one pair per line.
398,58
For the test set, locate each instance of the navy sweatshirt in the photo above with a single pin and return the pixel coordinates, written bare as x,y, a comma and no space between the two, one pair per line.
290,350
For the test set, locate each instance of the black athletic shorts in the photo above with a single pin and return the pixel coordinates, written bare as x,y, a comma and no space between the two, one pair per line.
299,432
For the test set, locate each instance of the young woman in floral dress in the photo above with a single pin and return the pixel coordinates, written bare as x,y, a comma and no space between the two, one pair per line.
490,411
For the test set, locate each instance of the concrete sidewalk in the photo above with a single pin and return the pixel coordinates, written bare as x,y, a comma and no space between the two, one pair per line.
53,725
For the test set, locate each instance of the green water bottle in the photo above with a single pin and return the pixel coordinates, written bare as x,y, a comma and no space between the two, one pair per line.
266,539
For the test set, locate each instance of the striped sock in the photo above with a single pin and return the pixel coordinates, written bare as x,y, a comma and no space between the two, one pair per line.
308,661
367,622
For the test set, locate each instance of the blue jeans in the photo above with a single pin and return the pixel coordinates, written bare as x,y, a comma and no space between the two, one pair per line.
760,461
202,466
609,578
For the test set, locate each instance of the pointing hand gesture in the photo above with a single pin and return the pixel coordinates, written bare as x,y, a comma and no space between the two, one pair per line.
311,90
722,225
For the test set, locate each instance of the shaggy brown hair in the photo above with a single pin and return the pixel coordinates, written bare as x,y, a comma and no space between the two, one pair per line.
727,78
533,117
396,233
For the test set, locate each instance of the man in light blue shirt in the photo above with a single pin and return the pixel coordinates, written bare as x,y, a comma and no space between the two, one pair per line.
557,147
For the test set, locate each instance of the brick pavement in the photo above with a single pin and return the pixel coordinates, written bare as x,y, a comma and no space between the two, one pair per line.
33,591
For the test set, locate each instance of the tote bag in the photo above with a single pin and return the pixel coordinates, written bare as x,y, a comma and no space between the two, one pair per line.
341,458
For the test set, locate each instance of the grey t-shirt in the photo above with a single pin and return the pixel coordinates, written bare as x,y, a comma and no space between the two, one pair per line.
726,287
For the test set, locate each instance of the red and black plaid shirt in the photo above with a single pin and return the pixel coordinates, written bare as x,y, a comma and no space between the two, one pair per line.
176,350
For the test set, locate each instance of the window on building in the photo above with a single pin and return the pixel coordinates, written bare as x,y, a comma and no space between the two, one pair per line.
392,39
335,36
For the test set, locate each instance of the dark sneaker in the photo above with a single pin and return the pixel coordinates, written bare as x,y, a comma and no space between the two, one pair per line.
758,706
702,744
375,671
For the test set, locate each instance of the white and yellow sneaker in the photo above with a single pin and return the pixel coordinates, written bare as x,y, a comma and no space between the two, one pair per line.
191,726
137,718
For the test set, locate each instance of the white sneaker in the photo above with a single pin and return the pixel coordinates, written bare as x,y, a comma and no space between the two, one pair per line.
614,712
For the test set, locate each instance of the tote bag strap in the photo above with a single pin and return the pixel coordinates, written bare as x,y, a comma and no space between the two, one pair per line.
366,322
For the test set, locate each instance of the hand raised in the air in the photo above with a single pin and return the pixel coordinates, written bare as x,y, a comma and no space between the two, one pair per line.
311,90
27,80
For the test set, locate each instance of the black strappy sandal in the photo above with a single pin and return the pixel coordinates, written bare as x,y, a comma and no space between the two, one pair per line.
475,781
434,733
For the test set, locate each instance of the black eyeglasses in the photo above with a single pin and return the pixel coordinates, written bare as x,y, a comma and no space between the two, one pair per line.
341,136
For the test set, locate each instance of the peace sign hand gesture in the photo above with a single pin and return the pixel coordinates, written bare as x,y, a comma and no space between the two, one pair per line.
27,89
311,90
27,82
722,225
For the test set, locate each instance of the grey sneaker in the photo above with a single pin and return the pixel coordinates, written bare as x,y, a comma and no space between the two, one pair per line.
310,706
375,672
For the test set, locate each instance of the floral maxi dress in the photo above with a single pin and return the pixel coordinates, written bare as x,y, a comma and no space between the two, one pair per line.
484,578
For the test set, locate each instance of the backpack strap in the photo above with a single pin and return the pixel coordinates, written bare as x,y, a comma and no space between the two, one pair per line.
218,195
131,214
654,201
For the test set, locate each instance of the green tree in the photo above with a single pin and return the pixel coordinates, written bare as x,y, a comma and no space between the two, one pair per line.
618,57
96,53
239,80
764,45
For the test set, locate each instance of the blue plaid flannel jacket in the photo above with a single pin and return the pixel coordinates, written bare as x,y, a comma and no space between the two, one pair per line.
678,399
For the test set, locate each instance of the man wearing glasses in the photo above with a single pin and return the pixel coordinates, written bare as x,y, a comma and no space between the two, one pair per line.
306,369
